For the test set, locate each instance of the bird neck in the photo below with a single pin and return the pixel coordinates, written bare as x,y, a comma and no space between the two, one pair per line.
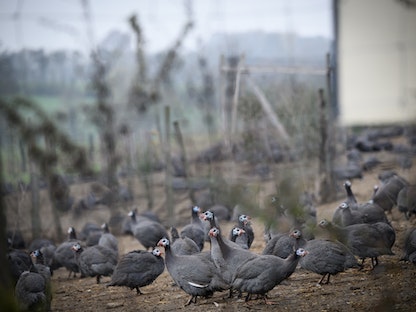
40,259
350,194
225,249
347,211
72,235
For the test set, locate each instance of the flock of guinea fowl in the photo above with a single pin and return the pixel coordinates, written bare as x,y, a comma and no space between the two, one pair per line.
357,231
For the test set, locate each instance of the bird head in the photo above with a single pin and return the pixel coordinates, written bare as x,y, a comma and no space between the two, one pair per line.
207,215
214,232
164,242
76,247
156,252
296,234
244,219
237,231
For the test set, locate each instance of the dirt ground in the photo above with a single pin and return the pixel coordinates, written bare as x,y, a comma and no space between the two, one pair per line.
390,287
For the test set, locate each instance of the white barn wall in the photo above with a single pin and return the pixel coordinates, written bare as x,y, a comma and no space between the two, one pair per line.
377,62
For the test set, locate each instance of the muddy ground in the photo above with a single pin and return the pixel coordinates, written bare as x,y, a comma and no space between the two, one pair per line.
390,287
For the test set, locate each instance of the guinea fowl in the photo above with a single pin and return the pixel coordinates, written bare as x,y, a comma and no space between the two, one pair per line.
372,213
410,247
262,273
19,262
107,239
95,260
137,269
345,216
43,269
248,236
209,216
237,233
195,229
406,200
129,220
39,264
327,258
146,231
351,199
364,240
90,233
38,243
195,275
386,195
64,256
352,212
283,245
47,248
182,245
31,292
227,257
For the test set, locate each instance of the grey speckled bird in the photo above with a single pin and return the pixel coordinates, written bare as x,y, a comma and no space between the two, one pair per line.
30,292
95,260
194,274
327,258
183,245
137,269
364,240
262,273
64,256
409,247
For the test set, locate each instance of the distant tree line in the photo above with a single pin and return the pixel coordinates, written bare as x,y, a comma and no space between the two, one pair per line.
37,72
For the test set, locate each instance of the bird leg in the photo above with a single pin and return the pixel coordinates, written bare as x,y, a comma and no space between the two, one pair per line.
374,262
322,279
327,280
138,291
98,279
362,264
191,300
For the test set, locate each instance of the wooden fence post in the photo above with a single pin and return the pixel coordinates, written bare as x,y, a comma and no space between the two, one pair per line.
168,172
327,186
35,211
179,139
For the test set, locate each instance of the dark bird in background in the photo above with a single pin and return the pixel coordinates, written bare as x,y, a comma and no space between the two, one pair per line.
182,245
195,229
409,247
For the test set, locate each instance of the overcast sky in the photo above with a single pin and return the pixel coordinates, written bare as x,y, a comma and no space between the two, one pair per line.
58,24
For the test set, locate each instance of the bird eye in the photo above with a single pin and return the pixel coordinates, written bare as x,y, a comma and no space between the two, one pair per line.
323,222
